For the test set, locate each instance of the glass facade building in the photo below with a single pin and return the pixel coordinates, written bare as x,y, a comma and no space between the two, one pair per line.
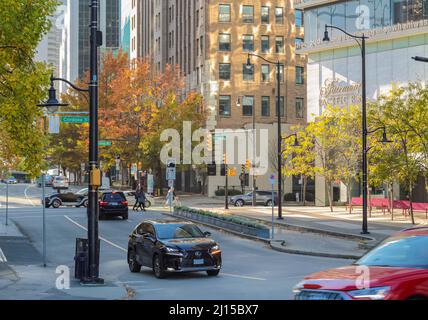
360,15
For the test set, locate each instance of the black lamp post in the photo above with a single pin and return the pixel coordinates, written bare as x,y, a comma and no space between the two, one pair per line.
278,107
92,274
361,40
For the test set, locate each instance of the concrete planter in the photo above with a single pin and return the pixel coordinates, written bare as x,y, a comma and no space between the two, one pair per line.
263,233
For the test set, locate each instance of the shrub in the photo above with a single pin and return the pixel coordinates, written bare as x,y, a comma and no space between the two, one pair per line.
234,219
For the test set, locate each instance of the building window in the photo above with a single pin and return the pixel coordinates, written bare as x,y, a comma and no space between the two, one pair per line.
298,41
299,108
224,71
281,73
300,75
279,45
279,15
281,107
265,106
224,13
298,18
248,72
224,42
265,15
248,43
265,73
248,14
224,106
247,106
265,44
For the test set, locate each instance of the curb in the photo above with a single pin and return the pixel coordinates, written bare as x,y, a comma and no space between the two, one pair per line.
282,248
300,228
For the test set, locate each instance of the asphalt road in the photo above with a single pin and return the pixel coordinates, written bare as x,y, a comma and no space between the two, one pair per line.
250,269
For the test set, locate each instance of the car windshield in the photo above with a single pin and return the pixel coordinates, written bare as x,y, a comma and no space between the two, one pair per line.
404,252
178,231
113,197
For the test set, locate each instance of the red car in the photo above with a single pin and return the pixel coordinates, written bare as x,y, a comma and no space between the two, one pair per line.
397,269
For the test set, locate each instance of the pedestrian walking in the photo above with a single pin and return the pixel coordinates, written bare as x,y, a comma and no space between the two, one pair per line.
137,203
141,200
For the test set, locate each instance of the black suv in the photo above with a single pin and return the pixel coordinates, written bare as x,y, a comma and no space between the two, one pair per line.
172,246
113,204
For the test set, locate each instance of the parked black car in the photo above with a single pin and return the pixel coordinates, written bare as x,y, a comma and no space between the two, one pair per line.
172,246
78,199
113,204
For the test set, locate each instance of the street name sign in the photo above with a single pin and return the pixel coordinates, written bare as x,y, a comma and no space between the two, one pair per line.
75,119
105,143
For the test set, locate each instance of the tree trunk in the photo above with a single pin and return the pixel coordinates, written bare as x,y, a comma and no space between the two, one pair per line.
411,203
330,195
305,185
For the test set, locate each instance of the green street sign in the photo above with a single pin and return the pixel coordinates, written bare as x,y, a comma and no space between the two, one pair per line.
105,143
77,119
219,138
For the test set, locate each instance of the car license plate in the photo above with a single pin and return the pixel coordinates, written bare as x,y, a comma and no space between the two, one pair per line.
114,204
198,261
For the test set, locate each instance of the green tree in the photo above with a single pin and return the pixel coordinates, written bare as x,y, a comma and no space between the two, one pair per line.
22,82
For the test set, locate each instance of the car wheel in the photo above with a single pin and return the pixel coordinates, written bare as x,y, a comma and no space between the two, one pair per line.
134,266
85,203
125,217
268,203
213,273
56,204
239,203
157,267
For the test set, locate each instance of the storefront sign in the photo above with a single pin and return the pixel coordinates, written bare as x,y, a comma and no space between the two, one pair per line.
339,93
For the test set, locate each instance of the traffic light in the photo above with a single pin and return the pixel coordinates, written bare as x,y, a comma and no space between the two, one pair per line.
248,164
212,169
223,170
232,172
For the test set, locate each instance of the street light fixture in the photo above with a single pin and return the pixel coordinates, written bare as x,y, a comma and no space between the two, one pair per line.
92,273
361,40
278,106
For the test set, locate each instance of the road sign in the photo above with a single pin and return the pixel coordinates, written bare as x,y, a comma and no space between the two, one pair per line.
212,169
105,143
272,179
219,138
75,119
171,172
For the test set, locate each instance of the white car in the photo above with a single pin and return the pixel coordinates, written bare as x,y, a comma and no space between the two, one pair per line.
60,182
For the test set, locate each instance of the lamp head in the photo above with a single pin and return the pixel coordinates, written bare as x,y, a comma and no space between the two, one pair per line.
249,62
385,139
326,36
52,104
238,102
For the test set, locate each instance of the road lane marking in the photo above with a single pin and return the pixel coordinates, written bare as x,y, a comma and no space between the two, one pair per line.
101,238
243,277
2,256
26,196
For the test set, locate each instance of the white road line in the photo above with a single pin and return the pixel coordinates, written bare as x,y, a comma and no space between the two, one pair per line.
241,276
101,238
2,256
26,196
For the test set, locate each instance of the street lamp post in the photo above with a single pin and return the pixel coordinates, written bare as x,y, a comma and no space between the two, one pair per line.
278,107
361,40
92,274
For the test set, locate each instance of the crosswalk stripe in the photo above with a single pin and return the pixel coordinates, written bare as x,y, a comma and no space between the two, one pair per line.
2,256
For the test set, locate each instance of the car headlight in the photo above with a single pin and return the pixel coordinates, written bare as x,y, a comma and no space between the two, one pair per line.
378,293
216,247
173,251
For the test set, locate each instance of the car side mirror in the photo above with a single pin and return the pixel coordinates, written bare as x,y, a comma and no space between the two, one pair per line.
207,234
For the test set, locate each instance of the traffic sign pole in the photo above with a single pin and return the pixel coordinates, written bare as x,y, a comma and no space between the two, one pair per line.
272,182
